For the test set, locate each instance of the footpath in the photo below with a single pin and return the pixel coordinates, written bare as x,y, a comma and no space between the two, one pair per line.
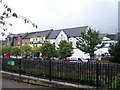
44,82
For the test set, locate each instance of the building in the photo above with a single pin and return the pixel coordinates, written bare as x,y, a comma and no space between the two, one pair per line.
109,39
117,37
73,33
69,34
36,39
2,42
15,39
56,36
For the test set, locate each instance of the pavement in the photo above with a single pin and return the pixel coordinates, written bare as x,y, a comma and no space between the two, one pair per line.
7,83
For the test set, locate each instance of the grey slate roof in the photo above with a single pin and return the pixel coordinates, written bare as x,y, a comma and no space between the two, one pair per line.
14,35
43,33
117,36
21,34
74,32
102,35
54,34
24,35
29,35
70,32
38,34
111,36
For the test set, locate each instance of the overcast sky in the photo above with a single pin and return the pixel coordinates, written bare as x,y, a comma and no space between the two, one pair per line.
59,14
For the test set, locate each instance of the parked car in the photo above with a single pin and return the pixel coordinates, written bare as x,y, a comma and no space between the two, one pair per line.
18,57
84,60
6,56
65,60
75,61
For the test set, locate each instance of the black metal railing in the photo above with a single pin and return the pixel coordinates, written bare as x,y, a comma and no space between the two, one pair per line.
100,75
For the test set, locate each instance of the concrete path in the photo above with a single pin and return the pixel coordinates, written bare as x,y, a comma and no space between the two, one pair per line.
7,83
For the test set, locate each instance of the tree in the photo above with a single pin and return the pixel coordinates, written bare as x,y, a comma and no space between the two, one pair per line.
15,51
6,50
65,49
36,51
48,50
26,50
88,40
8,13
115,52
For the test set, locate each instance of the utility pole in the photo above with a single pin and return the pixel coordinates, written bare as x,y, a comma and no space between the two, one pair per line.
118,16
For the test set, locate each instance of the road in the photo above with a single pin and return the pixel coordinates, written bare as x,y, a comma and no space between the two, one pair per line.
6,83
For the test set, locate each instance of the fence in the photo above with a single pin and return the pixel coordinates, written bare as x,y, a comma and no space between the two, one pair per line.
100,75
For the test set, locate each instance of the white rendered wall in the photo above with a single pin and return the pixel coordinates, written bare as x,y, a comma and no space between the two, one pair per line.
61,36
73,41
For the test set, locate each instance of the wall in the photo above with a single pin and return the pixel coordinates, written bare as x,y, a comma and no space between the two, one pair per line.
15,42
51,41
37,42
19,41
25,41
61,36
7,41
73,41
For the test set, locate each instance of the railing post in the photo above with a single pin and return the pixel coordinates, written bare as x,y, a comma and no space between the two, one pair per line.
49,69
97,75
20,67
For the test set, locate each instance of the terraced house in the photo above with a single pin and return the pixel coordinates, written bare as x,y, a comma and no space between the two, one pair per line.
15,39
36,39
33,39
